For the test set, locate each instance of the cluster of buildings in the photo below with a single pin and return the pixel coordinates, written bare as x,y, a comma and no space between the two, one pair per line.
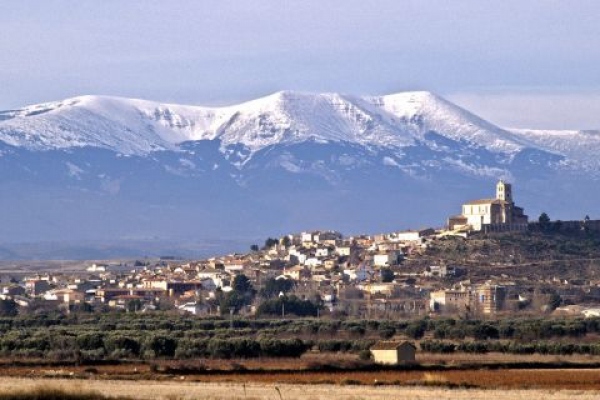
362,276
322,263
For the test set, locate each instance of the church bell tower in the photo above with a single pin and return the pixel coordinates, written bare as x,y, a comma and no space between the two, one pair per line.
504,191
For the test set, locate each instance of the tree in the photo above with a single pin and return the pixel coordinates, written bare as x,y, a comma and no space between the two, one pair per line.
242,294
133,305
286,241
274,286
81,308
557,225
416,329
544,221
8,308
242,284
270,242
585,224
254,248
387,275
554,301
288,305
162,346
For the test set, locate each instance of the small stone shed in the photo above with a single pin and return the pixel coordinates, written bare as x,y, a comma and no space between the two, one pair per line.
394,353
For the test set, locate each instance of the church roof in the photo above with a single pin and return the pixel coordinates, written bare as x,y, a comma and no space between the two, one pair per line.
487,201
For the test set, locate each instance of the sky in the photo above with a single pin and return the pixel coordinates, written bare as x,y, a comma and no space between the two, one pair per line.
523,64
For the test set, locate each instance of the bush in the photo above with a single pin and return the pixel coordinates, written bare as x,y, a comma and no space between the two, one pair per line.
162,346
122,346
55,394
437,346
90,341
364,355
416,330
387,332
283,348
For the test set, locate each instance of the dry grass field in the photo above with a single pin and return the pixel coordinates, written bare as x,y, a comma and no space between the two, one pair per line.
309,378
182,390
314,370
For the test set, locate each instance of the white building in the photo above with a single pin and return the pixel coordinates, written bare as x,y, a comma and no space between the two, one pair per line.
499,213
386,259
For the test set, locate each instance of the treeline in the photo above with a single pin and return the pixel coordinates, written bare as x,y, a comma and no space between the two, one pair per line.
480,347
89,347
518,329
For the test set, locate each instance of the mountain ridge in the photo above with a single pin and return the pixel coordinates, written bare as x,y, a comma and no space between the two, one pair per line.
329,116
136,126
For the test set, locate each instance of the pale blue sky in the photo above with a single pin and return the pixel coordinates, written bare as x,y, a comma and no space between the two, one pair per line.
517,63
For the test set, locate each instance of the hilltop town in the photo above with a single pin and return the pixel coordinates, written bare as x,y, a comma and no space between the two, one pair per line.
489,260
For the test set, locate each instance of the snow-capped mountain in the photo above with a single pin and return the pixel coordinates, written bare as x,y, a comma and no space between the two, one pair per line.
397,121
286,161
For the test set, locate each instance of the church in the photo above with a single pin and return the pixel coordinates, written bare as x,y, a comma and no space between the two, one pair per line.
491,215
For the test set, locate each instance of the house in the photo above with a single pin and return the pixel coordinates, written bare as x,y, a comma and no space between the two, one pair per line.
36,287
322,252
123,301
97,268
306,237
65,296
439,271
362,273
386,289
295,273
327,238
387,258
487,298
330,263
411,235
235,264
449,300
393,353
313,262
490,297
13,290
343,250
194,308
591,312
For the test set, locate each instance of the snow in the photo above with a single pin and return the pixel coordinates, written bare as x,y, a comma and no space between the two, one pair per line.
390,162
581,148
427,112
397,121
74,170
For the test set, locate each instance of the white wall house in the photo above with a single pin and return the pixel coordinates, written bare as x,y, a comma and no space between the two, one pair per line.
343,250
322,252
386,259
313,262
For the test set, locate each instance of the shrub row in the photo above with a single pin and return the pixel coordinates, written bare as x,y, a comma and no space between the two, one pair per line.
180,326
550,348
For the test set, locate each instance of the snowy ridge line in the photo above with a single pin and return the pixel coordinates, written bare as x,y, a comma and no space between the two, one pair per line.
131,126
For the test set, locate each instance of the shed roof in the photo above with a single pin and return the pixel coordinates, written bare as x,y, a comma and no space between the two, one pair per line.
391,345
